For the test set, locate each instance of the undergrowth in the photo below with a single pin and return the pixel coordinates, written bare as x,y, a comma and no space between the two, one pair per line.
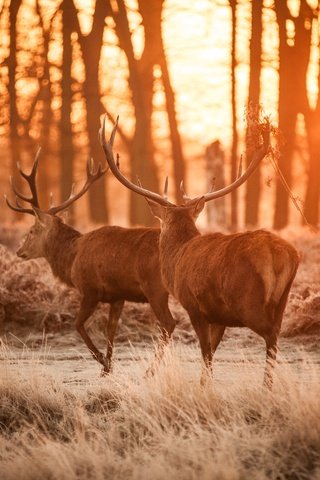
161,428
31,298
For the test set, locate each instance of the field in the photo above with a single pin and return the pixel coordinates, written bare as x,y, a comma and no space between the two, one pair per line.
60,420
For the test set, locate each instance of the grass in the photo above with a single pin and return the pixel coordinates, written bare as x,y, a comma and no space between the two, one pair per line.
166,427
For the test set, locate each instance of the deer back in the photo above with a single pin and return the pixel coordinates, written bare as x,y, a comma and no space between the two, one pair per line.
232,276
117,261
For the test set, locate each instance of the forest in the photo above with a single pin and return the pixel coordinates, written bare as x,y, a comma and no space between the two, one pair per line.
120,359
181,78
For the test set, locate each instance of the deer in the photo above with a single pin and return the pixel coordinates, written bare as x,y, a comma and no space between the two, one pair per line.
240,279
111,264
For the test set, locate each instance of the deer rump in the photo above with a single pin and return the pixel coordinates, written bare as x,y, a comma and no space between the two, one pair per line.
119,263
237,280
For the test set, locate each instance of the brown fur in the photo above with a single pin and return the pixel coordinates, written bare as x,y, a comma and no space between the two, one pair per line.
242,279
110,264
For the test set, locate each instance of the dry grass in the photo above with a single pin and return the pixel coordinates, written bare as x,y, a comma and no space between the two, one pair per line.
165,427
161,428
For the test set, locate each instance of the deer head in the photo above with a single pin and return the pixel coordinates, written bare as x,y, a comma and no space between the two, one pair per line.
34,243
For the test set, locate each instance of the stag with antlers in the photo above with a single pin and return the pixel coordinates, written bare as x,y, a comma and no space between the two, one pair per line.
233,280
105,265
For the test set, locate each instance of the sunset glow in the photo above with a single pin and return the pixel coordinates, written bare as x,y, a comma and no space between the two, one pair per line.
159,239
197,41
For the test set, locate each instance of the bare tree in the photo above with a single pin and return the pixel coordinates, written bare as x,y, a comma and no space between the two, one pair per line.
66,143
312,196
12,68
293,63
152,19
140,81
312,122
45,96
234,147
215,159
91,45
253,184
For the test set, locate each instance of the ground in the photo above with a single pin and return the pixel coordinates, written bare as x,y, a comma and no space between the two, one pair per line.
59,419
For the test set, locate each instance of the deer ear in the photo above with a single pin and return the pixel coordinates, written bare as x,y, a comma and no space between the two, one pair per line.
45,219
199,206
156,209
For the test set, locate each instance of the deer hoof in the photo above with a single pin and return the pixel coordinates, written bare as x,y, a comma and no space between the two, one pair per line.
106,369
206,380
104,372
150,372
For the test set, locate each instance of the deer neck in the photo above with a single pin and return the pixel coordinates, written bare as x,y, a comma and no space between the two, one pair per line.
174,238
61,249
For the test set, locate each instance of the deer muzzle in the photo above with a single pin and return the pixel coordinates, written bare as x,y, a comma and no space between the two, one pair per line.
21,253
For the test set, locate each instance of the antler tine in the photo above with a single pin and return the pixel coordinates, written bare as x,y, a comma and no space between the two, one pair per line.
114,167
184,195
213,185
18,207
165,190
33,172
257,158
92,176
35,164
113,133
31,180
18,194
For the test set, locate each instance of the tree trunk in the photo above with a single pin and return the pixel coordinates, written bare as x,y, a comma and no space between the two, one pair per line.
312,196
311,116
91,45
176,146
293,64
253,183
141,86
215,161
66,144
45,86
152,17
234,148
14,117
287,114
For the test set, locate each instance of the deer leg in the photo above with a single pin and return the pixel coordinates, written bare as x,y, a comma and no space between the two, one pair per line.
114,315
216,334
272,338
87,307
202,328
167,326
271,346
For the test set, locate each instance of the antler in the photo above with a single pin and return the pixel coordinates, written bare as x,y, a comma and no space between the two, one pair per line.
242,177
114,167
31,179
92,176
